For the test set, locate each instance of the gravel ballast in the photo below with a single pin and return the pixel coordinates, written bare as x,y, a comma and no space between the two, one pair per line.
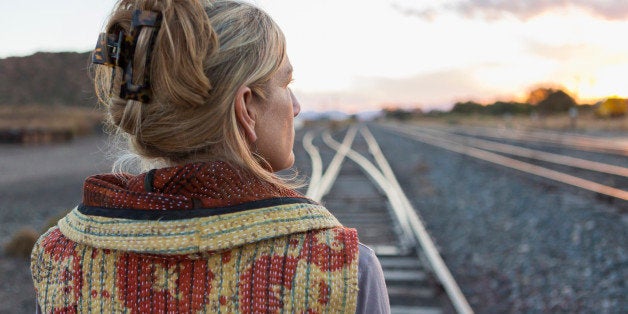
515,243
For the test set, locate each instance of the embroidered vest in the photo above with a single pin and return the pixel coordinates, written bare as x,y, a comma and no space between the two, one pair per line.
273,254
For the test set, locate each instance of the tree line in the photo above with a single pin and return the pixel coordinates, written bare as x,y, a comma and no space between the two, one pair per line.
542,101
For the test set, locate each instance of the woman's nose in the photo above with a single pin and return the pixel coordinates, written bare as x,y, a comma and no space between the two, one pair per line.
296,107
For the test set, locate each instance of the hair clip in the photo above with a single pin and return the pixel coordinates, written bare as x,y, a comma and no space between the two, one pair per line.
107,51
145,18
118,49
128,90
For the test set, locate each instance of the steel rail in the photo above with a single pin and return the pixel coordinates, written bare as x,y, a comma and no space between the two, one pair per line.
413,224
532,153
514,164
328,178
317,164
436,262
382,183
586,143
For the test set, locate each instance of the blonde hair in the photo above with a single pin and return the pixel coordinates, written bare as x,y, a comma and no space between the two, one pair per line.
203,52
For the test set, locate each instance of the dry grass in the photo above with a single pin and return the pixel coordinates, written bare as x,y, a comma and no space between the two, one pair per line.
78,120
22,242
585,123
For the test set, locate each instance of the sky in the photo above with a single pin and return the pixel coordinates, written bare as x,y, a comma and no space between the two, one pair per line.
356,55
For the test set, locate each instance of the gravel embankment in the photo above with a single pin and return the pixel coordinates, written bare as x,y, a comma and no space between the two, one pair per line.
515,243
39,183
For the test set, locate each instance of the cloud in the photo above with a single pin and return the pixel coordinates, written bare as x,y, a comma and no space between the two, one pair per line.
578,57
524,10
439,89
562,52
425,13
429,88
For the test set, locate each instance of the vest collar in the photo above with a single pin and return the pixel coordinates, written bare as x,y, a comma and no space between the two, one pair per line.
188,209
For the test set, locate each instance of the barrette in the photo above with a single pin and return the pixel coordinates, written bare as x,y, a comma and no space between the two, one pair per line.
118,48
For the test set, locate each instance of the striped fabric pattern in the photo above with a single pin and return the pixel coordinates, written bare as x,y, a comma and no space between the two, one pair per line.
198,234
313,272
197,238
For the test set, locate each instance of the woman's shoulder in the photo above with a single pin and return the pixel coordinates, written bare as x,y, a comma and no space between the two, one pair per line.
373,295
368,262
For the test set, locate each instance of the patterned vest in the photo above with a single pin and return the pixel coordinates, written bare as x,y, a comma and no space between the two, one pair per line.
195,238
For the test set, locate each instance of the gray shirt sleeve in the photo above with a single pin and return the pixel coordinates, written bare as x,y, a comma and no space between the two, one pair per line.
373,296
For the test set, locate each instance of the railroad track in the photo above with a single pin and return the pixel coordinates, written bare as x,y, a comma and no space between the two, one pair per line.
354,180
579,142
533,161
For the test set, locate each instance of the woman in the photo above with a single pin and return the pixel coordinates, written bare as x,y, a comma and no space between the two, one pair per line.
200,90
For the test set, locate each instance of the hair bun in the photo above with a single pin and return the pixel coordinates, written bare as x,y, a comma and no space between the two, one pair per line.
181,47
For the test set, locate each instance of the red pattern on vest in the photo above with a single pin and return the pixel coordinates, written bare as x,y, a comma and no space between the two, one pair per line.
71,277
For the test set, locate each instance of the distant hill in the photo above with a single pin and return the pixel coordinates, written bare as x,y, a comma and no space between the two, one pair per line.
47,79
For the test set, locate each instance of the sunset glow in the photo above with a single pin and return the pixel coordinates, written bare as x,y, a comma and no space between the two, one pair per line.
364,53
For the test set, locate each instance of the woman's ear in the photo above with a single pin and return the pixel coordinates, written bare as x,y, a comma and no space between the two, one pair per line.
244,115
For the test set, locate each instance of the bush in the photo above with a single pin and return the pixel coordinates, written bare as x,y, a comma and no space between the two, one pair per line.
556,102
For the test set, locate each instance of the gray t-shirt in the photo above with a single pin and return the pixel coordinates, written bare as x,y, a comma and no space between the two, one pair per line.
373,296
